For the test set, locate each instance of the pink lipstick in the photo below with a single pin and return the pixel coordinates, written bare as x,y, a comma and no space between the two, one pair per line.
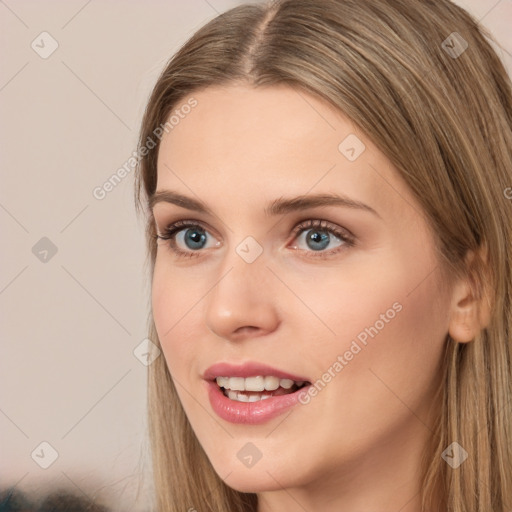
252,393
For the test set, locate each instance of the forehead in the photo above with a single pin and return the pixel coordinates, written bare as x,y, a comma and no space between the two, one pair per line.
256,143
240,121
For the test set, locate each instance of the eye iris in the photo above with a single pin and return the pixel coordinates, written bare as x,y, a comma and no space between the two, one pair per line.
197,237
316,237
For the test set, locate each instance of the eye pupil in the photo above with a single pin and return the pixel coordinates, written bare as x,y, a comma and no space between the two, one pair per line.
318,237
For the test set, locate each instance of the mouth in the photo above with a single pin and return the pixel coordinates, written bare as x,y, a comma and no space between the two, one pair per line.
257,388
253,400
252,392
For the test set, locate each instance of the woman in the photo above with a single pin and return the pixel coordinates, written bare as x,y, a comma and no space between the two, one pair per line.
329,237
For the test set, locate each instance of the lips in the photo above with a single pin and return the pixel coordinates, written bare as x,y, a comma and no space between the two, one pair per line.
247,406
249,369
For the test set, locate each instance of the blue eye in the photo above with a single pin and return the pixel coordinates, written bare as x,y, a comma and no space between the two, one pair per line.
319,235
193,237
316,239
189,234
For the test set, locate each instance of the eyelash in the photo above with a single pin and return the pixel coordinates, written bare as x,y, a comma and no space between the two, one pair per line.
347,238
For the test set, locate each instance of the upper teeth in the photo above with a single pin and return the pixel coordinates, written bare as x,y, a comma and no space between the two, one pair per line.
259,383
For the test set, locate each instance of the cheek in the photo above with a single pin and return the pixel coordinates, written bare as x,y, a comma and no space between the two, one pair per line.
173,300
390,324
346,302
390,335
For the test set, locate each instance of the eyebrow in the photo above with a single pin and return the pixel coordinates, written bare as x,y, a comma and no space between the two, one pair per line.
276,207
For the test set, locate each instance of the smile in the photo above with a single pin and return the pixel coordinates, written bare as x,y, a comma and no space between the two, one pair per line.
252,392
254,389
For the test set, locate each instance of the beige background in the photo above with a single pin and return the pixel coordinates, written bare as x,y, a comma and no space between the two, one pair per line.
70,324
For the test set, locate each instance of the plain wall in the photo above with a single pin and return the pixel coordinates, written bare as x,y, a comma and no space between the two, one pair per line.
72,320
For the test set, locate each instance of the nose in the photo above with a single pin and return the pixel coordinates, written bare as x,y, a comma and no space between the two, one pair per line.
243,302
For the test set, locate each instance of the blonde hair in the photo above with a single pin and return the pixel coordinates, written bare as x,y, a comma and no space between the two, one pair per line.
442,113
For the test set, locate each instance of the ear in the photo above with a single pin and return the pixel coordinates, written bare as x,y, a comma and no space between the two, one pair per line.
470,306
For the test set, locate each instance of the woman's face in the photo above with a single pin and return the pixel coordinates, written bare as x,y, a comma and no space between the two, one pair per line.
354,306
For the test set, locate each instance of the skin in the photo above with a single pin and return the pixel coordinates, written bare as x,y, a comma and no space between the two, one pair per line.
356,446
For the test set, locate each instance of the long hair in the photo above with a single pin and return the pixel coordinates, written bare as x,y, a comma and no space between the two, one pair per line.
422,81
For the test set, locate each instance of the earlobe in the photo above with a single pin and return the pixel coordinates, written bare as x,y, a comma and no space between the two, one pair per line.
464,322
470,312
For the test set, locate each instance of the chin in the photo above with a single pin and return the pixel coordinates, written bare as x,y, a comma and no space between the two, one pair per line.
249,481
266,474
